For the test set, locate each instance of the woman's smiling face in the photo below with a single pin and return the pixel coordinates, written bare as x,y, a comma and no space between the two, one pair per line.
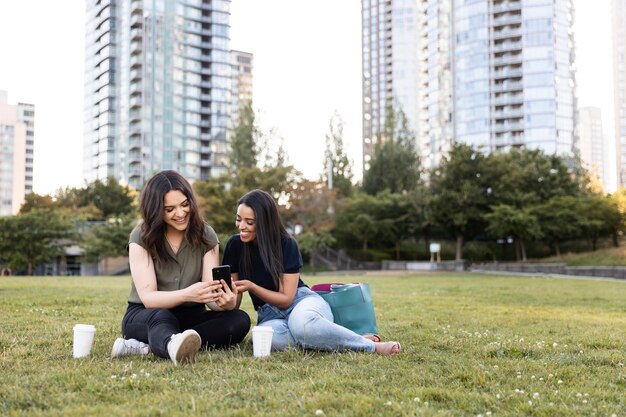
176,210
246,223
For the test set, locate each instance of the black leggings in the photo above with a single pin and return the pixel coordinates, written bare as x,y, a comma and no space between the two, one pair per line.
156,326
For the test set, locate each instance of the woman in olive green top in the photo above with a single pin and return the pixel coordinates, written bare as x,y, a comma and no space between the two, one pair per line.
171,254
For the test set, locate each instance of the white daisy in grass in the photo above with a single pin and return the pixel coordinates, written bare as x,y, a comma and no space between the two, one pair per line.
319,412
535,395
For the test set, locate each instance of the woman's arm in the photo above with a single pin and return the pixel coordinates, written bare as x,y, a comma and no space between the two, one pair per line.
144,278
282,298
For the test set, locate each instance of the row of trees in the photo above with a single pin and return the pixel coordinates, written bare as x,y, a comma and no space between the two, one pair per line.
98,217
521,195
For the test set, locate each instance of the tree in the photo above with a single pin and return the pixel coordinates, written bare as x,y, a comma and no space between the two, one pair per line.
110,197
34,237
336,161
109,239
309,243
34,201
356,220
598,216
395,219
217,199
522,224
558,219
243,148
395,164
459,195
311,206
525,177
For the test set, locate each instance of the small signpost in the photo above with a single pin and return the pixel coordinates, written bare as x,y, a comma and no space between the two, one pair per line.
435,252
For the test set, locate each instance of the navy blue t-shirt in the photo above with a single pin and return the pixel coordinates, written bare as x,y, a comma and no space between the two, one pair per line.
233,256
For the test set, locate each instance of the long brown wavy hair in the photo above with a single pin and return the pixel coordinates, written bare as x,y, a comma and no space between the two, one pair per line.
269,233
153,214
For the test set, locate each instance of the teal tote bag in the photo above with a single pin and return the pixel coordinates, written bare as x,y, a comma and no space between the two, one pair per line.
352,306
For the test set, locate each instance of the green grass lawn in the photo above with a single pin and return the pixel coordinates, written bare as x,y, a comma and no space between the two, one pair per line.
601,257
472,345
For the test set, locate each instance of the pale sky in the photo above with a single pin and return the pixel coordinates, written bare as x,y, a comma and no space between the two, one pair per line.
307,66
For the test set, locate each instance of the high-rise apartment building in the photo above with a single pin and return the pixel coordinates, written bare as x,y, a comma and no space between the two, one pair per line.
591,143
490,73
16,154
243,63
157,88
618,14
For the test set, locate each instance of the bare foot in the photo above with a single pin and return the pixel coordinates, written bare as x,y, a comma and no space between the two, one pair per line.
387,348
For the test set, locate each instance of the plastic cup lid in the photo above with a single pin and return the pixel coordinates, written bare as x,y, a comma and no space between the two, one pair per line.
85,327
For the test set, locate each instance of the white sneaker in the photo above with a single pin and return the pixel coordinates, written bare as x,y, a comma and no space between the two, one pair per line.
183,347
127,347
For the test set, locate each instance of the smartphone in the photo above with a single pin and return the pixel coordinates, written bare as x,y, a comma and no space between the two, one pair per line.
223,272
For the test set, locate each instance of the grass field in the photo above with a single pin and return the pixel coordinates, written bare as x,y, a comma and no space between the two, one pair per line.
472,345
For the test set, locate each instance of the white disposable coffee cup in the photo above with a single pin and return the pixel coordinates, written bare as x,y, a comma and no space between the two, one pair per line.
261,341
83,339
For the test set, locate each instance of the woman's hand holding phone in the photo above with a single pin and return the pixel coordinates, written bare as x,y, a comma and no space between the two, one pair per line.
228,293
228,297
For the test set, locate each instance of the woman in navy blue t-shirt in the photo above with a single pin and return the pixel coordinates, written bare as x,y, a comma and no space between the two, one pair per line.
265,261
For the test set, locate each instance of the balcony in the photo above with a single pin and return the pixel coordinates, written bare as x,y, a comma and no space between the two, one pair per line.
507,46
136,7
507,19
509,114
507,6
508,127
136,21
136,34
134,102
135,61
134,143
134,158
508,59
135,89
508,99
135,75
134,116
508,86
507,33
509,139
508,73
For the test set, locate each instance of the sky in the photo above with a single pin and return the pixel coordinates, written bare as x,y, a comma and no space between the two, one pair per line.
307,66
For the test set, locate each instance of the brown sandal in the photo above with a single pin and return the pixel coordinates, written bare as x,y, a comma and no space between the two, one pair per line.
373,337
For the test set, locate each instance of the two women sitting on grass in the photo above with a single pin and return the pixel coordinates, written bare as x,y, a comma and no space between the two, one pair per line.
171,255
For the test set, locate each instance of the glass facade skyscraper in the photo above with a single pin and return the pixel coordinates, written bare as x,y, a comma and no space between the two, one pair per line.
157,88
491,73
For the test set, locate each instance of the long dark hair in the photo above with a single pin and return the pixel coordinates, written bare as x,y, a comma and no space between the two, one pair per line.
152,212
269,232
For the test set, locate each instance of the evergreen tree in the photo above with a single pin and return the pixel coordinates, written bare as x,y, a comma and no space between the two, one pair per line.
336,161
395,164
243,148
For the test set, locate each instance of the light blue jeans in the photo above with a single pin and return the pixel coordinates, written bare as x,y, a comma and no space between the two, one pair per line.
308,324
